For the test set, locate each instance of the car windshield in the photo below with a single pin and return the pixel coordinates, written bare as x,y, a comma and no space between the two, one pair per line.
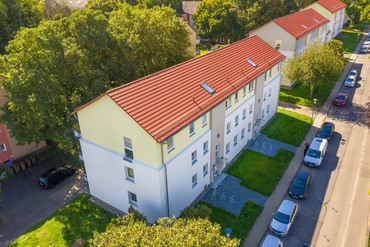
350,79
283,218
352,73
341,97
299,183
313,153
326,129
43,180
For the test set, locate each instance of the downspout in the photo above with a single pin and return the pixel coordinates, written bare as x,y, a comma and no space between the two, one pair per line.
166,183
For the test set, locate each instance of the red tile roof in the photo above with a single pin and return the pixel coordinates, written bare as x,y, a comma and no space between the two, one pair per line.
166,101
332,5
301,23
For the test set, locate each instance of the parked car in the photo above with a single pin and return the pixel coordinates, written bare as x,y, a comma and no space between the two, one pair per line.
367,42
271,241
284,218
364,49
316,152
340,99
55,175
350,81
353,73
299,187
326,130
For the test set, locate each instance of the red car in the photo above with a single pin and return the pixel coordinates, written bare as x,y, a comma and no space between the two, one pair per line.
340,99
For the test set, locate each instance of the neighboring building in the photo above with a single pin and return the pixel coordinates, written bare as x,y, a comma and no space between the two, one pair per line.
157,143
192,37
9,149
188,9
292,34
333,10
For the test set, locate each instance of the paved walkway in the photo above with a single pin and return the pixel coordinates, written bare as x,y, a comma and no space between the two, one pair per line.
268,146
232,196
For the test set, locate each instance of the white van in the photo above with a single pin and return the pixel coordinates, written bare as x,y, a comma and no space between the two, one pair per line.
316,151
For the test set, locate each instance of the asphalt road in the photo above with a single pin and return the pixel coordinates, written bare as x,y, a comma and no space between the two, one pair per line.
336,210
24,203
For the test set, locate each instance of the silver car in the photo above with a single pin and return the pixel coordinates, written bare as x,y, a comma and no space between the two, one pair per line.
271,241
284,218
350,81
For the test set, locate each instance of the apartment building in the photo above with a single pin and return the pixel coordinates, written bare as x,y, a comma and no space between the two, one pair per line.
158,142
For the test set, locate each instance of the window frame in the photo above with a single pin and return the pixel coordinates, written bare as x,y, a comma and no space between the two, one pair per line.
204,119
236,120
172,146
235,140
132,198
128,149
227,148
128,176
191,128
205,147
205,170
194,180
228,127
194,157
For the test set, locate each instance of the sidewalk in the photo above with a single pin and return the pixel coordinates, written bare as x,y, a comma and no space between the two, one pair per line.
260,227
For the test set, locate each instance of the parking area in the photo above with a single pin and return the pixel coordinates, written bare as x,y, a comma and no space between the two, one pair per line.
24,203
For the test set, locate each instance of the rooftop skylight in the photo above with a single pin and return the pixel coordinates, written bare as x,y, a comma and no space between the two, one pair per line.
208,88
304,26
251,62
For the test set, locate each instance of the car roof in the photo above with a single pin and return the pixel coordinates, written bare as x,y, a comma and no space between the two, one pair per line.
342,94
286,207
270,240
317,142
48,172
302,175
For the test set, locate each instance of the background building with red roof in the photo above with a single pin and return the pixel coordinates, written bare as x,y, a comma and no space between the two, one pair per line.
333,10
158,142
292,34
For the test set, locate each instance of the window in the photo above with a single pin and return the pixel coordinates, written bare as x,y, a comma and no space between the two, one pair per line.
170,145
236,120
228,103
268,109
204,120
244,91
205,170
194,180
236,97
251,108
235,140
269,92
227,147
3,147
217,152
251,85
265,76
129,154
270,72
249,127
243,133
132,198
194,157
264,96
263,113
205,147
130,174
191,129
244,113
228,127
278,68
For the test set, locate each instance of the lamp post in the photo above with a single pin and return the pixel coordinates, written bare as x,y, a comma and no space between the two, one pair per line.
313,109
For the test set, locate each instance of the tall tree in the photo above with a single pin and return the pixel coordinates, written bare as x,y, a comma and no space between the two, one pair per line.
15,14
357,10
316,66
153,38
167,232
52,69
218,20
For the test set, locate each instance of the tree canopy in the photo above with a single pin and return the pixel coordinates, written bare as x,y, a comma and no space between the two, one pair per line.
357,10
128,231
317,65
61,64
15,14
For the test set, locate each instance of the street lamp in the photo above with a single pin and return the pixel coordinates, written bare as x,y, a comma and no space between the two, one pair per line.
313,109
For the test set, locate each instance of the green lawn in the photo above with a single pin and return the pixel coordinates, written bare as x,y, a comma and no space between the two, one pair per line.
300,95
78,219
288,126
240,224
350,40
260,172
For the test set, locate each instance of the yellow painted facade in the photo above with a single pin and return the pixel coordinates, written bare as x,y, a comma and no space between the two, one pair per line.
235,103
112,125
321,10
182,138
275,70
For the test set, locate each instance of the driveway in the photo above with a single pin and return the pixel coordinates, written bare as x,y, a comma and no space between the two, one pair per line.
24,202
